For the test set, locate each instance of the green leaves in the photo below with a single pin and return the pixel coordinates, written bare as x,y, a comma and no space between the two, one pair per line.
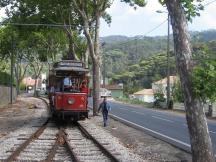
140,3
191,7
204,81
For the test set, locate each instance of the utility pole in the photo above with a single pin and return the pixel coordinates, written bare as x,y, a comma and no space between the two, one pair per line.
168,62
136,51
104,72
104,66
168,58
12,68
17,77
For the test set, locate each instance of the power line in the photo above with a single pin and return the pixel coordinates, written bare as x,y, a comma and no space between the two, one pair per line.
207,4
150,31
155,28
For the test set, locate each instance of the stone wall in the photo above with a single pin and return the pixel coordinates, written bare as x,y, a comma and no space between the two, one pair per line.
5,95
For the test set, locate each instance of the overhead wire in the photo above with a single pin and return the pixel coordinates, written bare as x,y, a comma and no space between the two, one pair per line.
156,27
159,25
208,3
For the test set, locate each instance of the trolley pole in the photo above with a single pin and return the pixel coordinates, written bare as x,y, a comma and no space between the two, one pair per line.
168,63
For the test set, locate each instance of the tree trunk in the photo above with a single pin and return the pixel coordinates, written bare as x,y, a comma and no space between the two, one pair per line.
86,58
35,88
201,145
94,56
71,51
96,86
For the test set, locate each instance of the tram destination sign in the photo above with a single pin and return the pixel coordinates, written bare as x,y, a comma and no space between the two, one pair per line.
70,64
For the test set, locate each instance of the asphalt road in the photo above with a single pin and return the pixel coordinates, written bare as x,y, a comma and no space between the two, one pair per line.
165,123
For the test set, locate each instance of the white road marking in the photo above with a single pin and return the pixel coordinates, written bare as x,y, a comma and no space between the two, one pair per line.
162,119
212,132
152,131
122,108
137,112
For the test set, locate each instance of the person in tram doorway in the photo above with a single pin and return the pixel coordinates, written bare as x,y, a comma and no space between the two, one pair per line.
105,107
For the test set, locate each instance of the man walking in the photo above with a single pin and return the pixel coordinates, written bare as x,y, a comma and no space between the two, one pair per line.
105,107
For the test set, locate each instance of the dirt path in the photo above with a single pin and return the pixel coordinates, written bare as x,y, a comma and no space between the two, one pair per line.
14,116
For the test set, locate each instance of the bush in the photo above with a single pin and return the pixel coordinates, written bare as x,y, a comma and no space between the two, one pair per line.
178,93
159,98
4,78
22,87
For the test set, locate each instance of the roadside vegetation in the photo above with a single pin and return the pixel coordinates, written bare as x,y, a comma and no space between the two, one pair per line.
135,102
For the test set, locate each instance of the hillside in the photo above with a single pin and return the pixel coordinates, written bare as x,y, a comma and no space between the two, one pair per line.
124,56
134,49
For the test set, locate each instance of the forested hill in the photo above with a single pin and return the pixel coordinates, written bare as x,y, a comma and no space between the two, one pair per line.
125,57
140,47
203,36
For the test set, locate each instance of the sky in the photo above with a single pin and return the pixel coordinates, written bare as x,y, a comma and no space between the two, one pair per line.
129,22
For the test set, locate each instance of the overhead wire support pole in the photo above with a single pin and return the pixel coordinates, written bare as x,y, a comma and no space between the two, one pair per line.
12,68
168,62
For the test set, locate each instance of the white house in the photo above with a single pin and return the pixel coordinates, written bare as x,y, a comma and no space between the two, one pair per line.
43,82
161,85
145,95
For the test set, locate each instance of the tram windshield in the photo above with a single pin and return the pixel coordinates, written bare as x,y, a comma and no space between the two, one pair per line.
71,84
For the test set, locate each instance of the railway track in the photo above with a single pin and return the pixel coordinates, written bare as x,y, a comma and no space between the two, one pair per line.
52,142
47,140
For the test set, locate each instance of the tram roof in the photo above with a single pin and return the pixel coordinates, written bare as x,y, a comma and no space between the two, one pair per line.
75,69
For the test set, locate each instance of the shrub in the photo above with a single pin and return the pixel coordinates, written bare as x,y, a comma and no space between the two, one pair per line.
159,98
178,93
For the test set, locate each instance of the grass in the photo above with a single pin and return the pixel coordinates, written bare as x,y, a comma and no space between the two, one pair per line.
135,102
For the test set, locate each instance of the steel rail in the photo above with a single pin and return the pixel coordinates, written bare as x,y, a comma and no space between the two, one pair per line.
34,136
53,150
68,146
44,100
62,138
102,148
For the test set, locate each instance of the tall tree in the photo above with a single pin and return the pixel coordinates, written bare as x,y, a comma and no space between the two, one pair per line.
180,12
56,12
90,13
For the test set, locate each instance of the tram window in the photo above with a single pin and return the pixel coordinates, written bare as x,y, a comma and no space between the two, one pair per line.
70,85
67,81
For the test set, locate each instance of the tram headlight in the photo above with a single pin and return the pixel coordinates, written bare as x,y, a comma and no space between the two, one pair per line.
71,101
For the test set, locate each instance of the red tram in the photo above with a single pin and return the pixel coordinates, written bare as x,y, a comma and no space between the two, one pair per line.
68,90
